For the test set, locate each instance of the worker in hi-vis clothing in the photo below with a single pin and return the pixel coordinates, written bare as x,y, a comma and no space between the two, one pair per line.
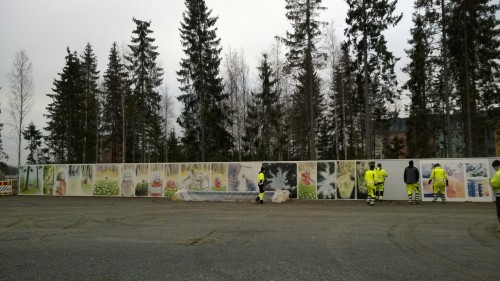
380,175
370,184
260,183
440,178
411,177
495,185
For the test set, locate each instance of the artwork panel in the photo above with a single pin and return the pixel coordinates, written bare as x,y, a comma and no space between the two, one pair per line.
478,190
60,186
128,180
172,179
195,176
243,176
87,180
142,179
107,180
361,168
455,171
326,179
156,179
49,179
476,169
74,180
281,176
31,180
307,183
219,176
346,179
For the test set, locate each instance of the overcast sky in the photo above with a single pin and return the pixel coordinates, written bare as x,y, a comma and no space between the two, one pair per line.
44,28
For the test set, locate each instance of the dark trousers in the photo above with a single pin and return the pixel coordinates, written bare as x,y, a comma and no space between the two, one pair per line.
497,195
261,188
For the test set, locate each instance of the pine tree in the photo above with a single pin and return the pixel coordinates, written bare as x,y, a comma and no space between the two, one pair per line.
174,148
34,138
65,113
366,20
91,104
146,77
305,58
117,92
204,117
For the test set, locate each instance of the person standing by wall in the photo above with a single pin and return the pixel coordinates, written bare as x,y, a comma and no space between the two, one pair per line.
260,183
380,175
411,177
370,184
495,185
440,179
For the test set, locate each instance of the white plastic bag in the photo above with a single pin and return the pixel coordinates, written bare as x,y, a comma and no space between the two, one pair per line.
281,195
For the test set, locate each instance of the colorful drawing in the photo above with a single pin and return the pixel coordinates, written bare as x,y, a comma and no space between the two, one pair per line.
157,177
476,169
195,176
128,180
307,187
49,179
107,180
456,177
326,180
478,188
346,179
80,180
172,179
219,176
31,180
361,168
142,179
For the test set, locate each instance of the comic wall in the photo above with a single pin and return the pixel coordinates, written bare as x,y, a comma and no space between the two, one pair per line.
306,180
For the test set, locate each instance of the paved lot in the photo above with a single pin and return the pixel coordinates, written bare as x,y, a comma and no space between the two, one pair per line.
57,238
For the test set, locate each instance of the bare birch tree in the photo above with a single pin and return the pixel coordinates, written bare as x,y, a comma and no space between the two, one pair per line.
21,95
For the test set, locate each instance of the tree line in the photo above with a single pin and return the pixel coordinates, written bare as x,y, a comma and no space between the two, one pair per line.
316,97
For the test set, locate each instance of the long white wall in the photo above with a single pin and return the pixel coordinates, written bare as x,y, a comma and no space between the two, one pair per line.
306,180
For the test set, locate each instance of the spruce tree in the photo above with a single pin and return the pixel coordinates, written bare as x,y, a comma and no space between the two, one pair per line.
204,117
91,104
420,84
116,97
34,138
474,48
146,77
304,57
252,133
376,81
65,113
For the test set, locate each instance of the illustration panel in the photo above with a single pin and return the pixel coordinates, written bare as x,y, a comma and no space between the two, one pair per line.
157,178
128,180
307,187
477,179
107,178
326,180
172,179
195,176
30,180
49,178
219,176
361,168
281,176
346,180
80,180
243,176
456,179
142,179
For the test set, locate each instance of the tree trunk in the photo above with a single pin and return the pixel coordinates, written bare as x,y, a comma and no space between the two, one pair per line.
467,86
449,144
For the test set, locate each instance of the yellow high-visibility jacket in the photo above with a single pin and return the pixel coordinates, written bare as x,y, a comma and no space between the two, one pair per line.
370,177
380,175
260,179
438,175
495,181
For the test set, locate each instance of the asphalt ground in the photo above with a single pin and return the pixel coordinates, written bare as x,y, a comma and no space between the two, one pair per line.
89,238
